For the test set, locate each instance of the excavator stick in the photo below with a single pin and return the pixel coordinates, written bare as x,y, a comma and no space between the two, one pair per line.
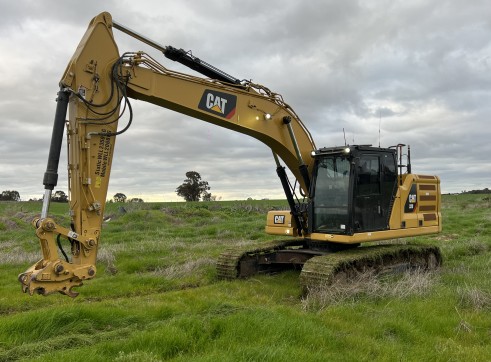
89,97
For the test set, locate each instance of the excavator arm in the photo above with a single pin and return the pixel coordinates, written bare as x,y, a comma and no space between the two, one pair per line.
95,92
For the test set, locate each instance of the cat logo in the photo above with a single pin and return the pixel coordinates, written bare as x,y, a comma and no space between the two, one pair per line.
279,219
412,199
218,103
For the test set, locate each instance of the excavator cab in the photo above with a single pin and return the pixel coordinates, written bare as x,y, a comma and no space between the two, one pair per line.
353,189
362,193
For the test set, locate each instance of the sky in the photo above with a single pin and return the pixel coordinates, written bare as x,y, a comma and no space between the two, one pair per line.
385,71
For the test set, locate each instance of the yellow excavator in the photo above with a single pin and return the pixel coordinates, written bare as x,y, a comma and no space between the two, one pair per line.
342,197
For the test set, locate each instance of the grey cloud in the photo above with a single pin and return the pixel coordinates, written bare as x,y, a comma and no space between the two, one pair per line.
420,70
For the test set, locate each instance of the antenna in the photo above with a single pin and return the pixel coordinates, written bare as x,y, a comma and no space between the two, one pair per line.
344,135
379,122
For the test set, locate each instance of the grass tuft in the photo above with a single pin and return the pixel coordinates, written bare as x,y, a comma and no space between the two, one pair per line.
137,356
178,271
108,258
11,252
474,298
369,286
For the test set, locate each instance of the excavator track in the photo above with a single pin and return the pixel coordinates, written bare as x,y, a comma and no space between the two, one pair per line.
245,262
323,267
344,266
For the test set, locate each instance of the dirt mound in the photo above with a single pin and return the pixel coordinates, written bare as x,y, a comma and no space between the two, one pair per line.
7,224
16,221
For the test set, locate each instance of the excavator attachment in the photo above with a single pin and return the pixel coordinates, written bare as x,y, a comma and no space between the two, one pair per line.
52,274
33,283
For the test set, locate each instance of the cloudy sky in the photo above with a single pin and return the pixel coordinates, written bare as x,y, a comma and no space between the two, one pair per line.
419,69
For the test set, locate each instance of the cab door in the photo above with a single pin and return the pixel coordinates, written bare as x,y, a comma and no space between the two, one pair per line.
375,186
331,190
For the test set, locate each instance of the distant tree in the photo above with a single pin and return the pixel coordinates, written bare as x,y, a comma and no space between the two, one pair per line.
59,196
210,197
119,197
483,191
136,199
193,188
9,196
207,196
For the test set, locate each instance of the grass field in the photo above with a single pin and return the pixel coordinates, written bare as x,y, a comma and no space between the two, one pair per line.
156,296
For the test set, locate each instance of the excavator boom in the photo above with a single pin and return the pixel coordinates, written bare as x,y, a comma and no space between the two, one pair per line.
95,92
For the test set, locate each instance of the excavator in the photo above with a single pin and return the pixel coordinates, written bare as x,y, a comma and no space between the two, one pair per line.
343,203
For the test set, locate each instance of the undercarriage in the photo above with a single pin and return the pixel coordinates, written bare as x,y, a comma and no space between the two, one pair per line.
326,264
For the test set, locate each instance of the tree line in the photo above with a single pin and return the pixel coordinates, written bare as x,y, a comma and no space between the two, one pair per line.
12,195
9,196
193,188
483,191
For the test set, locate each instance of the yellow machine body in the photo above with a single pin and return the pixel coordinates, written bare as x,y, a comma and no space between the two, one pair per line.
97,86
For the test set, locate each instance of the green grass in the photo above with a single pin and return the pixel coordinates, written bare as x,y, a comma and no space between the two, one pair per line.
156,296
